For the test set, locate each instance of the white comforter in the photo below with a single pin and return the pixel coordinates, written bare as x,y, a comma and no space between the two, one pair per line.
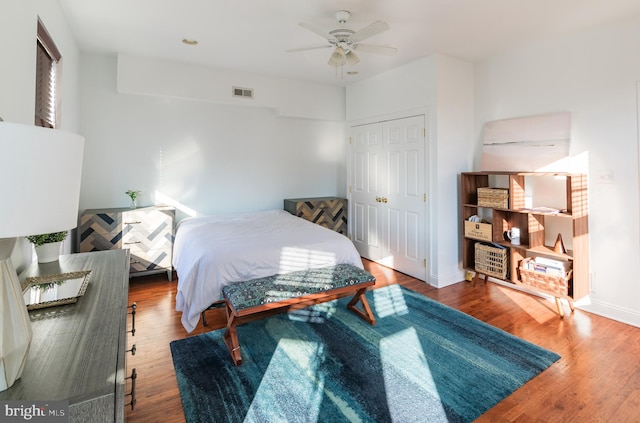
211,252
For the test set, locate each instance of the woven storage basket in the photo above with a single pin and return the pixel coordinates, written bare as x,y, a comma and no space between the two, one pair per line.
491,261
557,285
493,197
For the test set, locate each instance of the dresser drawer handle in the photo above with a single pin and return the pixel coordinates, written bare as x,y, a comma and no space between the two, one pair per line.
133,308
132,394
135,222
132,242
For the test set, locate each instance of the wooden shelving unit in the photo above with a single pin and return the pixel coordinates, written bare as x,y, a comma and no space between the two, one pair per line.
567,192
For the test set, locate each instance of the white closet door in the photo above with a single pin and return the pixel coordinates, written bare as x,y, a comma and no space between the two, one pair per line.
366,212
405,226
388,194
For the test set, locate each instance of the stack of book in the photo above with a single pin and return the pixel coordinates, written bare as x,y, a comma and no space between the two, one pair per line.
548,266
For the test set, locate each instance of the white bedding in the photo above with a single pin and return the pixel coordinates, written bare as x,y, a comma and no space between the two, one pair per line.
211,252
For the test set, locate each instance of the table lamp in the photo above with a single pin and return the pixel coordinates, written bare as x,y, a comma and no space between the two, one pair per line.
40,171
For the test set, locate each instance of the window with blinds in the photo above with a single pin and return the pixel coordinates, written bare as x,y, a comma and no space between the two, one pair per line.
47,69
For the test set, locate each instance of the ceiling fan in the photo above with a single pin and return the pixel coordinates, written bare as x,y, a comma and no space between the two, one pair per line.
345,41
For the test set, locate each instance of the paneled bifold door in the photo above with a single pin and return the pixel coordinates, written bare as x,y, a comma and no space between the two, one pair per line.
388,197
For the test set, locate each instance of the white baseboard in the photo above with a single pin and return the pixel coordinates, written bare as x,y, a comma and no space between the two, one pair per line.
611,311
439,281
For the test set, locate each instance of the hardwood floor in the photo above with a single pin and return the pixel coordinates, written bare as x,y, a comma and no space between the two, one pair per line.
596,380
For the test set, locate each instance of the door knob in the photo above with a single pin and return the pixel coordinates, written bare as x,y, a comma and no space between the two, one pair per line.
384,199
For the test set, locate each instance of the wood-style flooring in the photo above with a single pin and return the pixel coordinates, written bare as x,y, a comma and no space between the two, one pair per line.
596,380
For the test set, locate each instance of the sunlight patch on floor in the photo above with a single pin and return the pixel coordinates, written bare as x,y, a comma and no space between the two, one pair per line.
319,313
308,356
389,302
517,298
404,347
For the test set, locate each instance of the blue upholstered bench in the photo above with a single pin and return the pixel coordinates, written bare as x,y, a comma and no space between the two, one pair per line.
257,298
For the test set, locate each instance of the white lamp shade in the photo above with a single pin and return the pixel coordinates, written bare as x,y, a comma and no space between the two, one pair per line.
352,58
337,57
40,172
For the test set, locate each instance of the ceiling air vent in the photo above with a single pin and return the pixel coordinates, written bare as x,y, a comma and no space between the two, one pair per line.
243,92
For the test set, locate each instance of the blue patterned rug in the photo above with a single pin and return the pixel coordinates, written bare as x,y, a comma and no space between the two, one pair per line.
422,362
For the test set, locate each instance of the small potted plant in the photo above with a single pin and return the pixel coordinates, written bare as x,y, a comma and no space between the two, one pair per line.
133,194
48,245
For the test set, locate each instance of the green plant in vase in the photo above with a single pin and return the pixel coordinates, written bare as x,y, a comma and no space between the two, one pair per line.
39,240
133,194
48,245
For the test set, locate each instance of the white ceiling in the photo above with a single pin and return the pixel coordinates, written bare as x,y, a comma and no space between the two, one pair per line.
252,35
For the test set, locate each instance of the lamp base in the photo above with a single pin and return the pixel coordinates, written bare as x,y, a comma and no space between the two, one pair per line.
16,326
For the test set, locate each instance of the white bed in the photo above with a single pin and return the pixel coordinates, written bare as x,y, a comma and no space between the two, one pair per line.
211,252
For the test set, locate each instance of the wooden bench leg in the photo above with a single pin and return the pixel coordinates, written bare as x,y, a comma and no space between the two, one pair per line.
231,337
365,313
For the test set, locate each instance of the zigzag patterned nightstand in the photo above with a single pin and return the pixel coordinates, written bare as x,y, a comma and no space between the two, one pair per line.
146,231
330,212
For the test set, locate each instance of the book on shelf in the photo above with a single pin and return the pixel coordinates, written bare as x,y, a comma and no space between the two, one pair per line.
548,266
491,244
543,209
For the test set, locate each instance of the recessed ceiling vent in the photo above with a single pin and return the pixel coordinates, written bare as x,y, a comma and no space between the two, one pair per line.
243,92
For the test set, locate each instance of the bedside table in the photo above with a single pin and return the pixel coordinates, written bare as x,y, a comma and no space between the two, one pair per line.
330,212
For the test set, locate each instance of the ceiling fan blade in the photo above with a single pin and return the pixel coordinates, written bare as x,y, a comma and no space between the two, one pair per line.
293,50
369,31
317,29
387,51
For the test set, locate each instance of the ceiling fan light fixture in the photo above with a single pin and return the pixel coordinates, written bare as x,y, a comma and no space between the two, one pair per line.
338,57
352,58
345,41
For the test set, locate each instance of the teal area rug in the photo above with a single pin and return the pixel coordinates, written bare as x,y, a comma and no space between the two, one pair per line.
422,362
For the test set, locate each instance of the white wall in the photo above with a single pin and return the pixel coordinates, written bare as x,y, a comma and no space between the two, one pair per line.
18,29
403,89
197,152
593,75
137,75
454,154
18,64
443,87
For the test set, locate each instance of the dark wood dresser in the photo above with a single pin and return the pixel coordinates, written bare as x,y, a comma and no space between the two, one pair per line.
78,351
